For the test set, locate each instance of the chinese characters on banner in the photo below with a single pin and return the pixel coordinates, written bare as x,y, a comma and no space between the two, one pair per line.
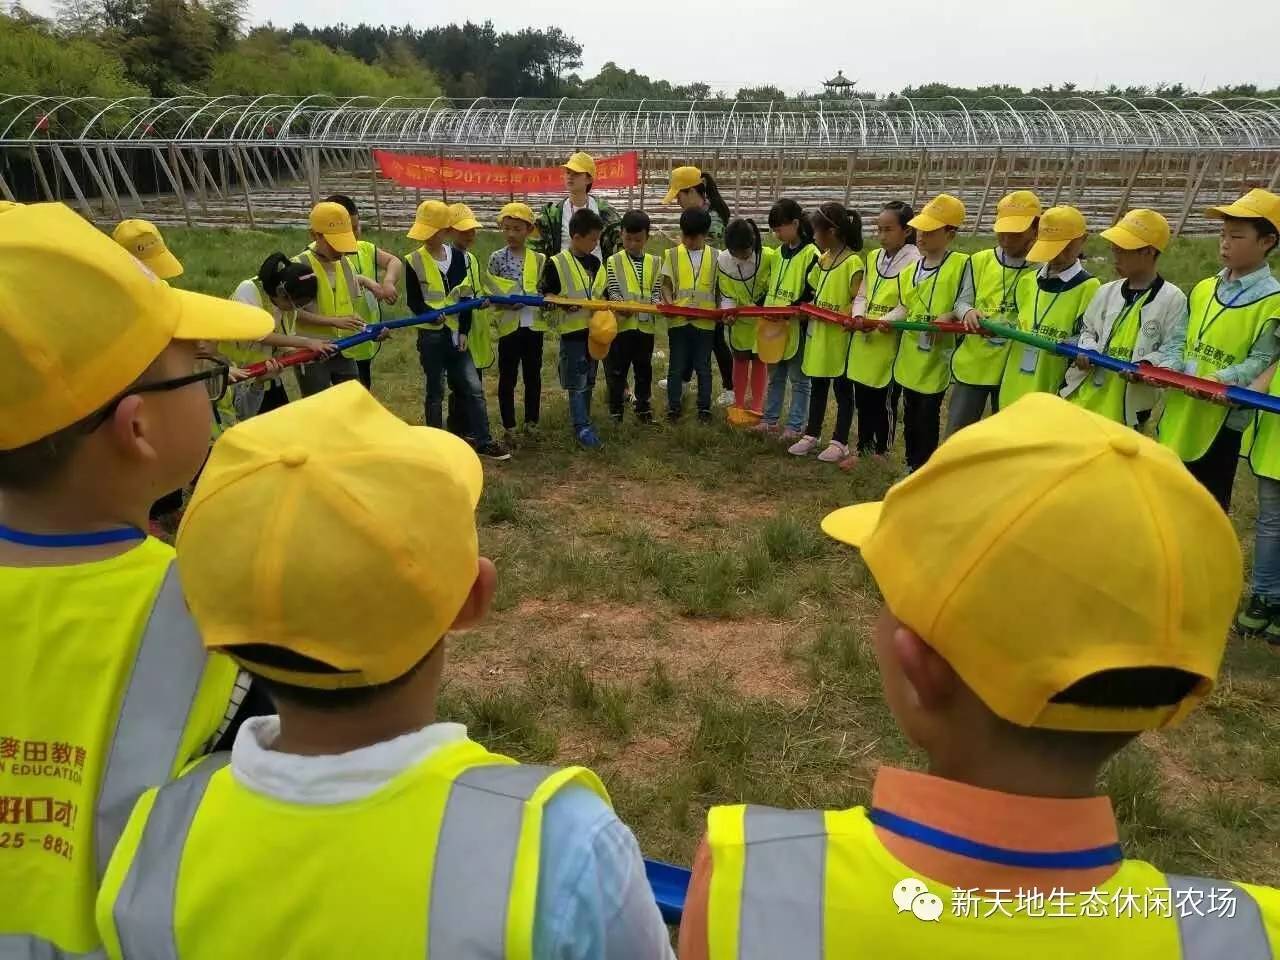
433,173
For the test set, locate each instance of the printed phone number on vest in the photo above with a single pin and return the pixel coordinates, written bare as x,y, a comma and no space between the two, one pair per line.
1094,903
35,811
56,760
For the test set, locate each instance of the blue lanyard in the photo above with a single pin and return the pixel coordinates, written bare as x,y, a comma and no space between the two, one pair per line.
961,846
1206,327
98,538
1124,315
934,273
826,275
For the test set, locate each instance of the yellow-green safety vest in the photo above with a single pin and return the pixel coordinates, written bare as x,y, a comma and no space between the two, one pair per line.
691,291
531,271
788,287
432,282
923,362
365,263
826,348
339,298
1219,335
819,885
1055,316
1261,444
480,339
441,862
243,353
107,693
979,361
636,287
576,285
748,293
1104,391
872,352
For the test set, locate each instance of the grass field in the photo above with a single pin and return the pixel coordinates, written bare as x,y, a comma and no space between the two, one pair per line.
670,614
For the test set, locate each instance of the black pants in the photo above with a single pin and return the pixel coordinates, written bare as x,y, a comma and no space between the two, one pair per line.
724,357
921,425
842,387
631,350
520,355
456,413
364,370
1216,470
273,398
877,418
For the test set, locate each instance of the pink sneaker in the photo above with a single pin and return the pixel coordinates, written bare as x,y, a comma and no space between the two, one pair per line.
804,446
835,452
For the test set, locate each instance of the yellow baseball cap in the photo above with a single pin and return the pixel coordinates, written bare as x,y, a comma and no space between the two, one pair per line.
944,210
519,211
1058,227
461,217
1005,584
432,217
1254,205
396,503
1016,212
143,240
581,163
66,356
1139,229
332,222
682,178
602,331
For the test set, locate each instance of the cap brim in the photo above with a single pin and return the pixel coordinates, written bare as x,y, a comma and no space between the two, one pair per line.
573,169
1120,237
671,195
470,223
201,317
420,231
853,525
1045,250
925,222
342,242
1014,224
164,265
1235,211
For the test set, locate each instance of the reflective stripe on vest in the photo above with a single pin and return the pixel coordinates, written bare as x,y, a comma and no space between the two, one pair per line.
471,909
1056,316
791,845
333,299
923,362
18,946
979,361
1241,936
480,339
572,276
153,715
826,352
690,290
871,353
635,289
365,263
431,281
509,320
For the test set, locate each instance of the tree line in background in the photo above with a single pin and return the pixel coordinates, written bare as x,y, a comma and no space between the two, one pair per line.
120,48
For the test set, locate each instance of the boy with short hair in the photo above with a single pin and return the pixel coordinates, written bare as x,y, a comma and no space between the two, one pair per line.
689,274
1053,308
1231,338
1020,682
462,233
368,259
431,273
106,690
402,837
575,273
632,276
514,271
1140,318
339,296
990,292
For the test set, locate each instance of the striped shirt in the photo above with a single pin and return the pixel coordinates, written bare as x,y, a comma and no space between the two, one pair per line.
617,290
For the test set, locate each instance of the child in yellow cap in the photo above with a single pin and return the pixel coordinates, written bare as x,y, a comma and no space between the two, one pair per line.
996,277
1019,681
551,228
432,273
368,260
514,269
401,836
1140,318
106,690
632,275
143,240
930,288
1054,308
1231,338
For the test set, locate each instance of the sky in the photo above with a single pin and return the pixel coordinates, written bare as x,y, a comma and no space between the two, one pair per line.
884,46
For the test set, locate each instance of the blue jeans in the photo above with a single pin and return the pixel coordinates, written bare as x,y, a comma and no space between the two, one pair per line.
779,374
440,360
1266,542
690,353
578,379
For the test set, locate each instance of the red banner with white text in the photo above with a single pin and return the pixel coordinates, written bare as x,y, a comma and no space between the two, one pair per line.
435,173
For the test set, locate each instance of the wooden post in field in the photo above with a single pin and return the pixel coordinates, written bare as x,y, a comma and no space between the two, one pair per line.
915,190
1128,187
848,176
1068,166
1193,191
986,192
244,186
81,199
373,182
44,181
1275,177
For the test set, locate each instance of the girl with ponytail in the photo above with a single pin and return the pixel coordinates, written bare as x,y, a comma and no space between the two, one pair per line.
746,268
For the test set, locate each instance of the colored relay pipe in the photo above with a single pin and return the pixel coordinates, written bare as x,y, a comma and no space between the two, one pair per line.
1156,376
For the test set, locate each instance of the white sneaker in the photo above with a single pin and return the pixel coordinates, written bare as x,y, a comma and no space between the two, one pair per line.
662,384
803,447
834,453
725,399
